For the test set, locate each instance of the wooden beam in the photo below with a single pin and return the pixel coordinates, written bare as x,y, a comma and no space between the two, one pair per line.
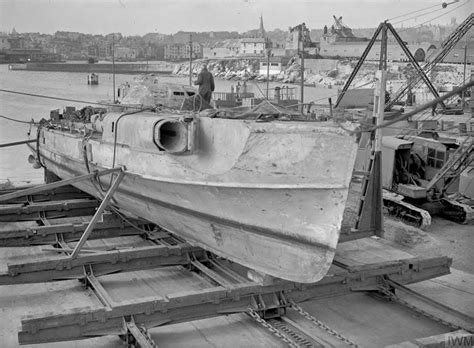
359,64
141,339
186,306
29,233
102,262
51,209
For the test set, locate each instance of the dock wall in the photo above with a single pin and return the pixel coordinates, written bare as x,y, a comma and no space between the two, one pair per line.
120,68
317,66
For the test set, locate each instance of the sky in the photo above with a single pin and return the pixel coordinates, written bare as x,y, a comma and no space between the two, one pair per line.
138,17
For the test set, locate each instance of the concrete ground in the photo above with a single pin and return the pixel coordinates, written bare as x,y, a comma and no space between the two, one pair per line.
442,238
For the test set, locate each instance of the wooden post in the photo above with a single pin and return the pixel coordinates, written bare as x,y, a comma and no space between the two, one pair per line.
113,66
464,75
379,109
302,70
371,208
267,46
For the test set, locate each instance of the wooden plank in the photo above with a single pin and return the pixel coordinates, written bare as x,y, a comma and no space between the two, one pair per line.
25,233
428,305
103,263
149,283
142,340
370,321
211,274
99,290
51,209
455,290
60,193
180,306
368,250
459,338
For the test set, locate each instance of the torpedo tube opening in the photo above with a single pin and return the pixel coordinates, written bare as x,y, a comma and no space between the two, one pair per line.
173,136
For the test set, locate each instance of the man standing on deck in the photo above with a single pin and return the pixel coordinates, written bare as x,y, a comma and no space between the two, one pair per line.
205,81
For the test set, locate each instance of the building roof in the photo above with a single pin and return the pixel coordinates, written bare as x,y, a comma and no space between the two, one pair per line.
253,40
229,43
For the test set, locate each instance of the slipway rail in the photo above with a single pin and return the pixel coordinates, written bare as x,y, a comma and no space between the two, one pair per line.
227,291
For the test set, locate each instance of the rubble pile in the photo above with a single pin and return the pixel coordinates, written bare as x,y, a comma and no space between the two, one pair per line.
238,69
444,77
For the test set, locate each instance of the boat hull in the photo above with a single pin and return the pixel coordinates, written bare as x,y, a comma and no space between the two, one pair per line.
275,226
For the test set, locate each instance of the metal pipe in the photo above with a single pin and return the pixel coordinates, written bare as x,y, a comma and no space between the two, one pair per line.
53,185
18,143
423,107
98,214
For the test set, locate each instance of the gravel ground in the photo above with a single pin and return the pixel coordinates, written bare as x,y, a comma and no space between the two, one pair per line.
443,238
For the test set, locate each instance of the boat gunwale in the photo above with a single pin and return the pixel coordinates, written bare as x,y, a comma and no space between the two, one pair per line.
219,184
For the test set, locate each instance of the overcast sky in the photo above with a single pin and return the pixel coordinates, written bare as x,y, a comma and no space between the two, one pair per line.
138,17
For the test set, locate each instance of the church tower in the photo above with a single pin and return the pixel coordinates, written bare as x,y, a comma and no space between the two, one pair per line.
261,29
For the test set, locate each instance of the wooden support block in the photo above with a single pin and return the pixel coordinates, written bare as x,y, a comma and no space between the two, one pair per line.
194,304
460,338
403,345
262,278
143,340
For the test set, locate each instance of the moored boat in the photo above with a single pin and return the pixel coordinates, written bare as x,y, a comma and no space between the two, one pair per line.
267,195
93,79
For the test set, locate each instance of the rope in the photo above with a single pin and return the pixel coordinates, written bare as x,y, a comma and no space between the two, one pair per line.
409,13
419,15
38,155
64,99
115,145
19,121
194,102
431,19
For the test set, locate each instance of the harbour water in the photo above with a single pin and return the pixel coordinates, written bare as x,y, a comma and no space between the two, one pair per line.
14,164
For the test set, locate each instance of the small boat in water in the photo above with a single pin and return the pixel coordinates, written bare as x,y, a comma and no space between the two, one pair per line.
263,190
93,79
